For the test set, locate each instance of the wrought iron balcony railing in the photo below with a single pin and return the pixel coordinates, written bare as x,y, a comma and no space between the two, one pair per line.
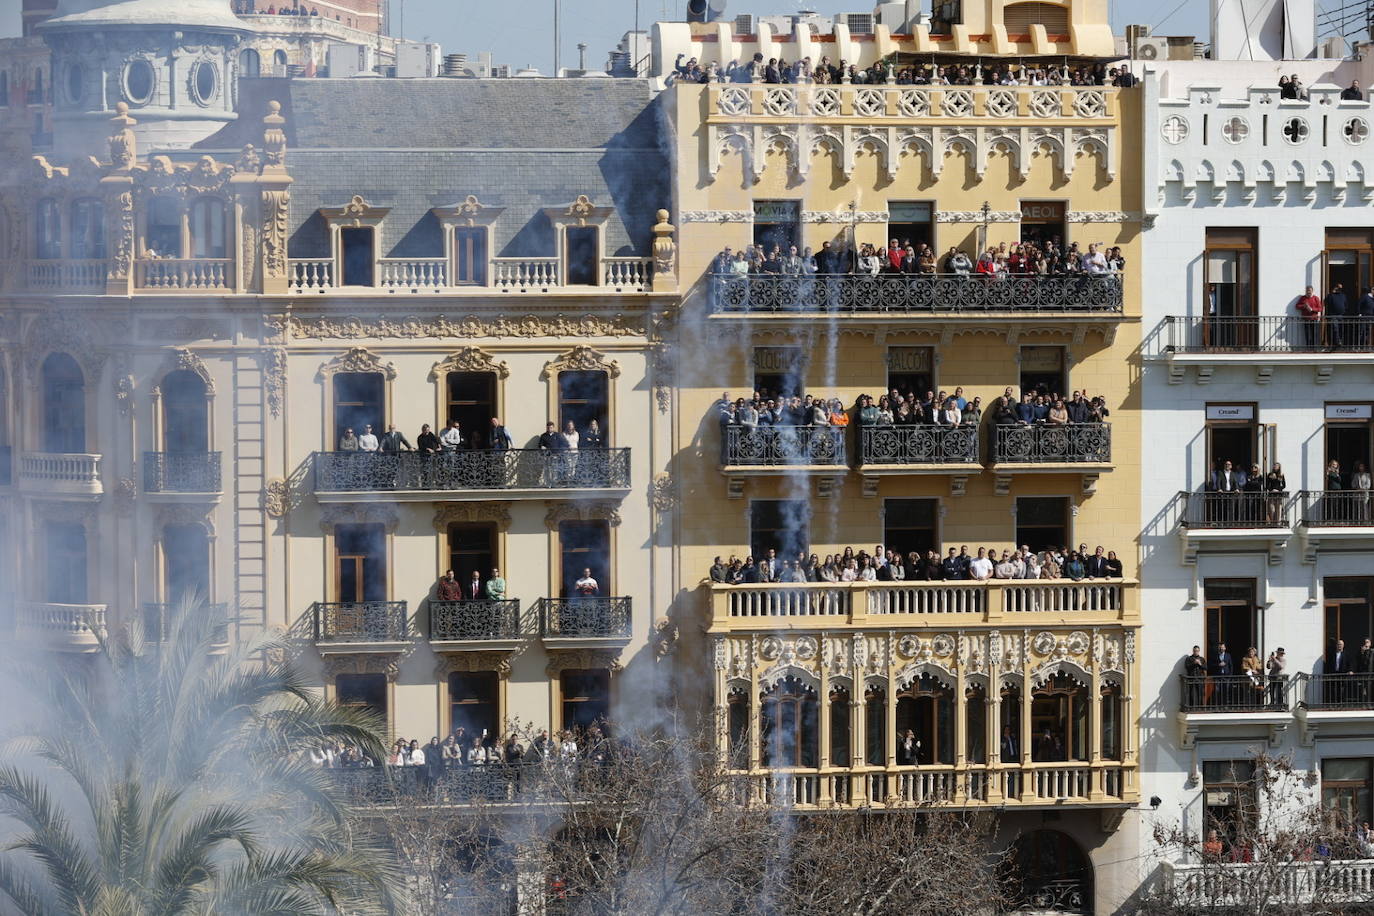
1204,511
1338,691
1042,443
458,621
1268,334
475,469
1336,509
181,472
360,621
1234,693
767,446
586,617
932,294
915,445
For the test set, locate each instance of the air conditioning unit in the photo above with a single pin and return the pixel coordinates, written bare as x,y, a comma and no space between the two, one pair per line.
746,24
1136,32
859,23
1151,49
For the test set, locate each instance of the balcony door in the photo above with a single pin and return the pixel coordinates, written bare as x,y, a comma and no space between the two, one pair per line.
470,256
358,255
1349,611
778,371
1347,261
909,370
776,224
585,546
472,402
584,396
1229,293
910,223
1233,434
586,698
359,401
471,548
1231,618
360,563
186,562
1348,436
1042,222
779,524
1042,522
185,413
789,725
474,704
583,255
64,405
1059,720
1043,372
910,525
364,692
927,709
65,558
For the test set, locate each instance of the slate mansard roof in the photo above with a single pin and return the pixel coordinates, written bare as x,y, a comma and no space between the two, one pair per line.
411,145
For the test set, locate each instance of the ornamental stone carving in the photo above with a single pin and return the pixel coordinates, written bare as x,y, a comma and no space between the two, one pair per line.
388,664
125,494
273,367
274,136
162,176
977,216
844,216
446,514
716,216
581,511
274,225
357,359
664,638
665,249
274,497
469,359
180,359
385,514
581,359
806,648
663,493
452,662
414,327
187,514
123,143
561,660
770,648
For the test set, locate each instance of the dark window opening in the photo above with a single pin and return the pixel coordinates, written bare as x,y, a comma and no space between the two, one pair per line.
358,257
1349,610
776,224
474,704
909,370
789,725
1348,444
470,256
472,402
185,413
839,727
64,405
358,403
910,223
586,698
88,229
910,525
1229,288
1059,720
976,725
1231,618
66,562
365,692
875,726
361,562
164,228
1042,222
925,708
1228,799
582,255
1042,371
471,548
737,729
584,396
1234,440
778,372
1042,522
1111,722
586,549
1346,789
186,553
781,525
49,230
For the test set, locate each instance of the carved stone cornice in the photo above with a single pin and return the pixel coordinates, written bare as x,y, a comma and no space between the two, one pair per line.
716,216
1102,216
273,367
561,660
83,337
78,512
385,514
415,327
580,359
164,177
446,514
581,511
845,217
386,663
581,212
451,662
181,359
469,359
357,212
471,212
976,216
357,359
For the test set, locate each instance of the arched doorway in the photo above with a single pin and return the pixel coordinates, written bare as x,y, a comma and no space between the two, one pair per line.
64,405
1050,873
185,413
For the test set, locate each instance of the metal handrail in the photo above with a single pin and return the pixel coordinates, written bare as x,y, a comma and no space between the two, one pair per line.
932,293
473,469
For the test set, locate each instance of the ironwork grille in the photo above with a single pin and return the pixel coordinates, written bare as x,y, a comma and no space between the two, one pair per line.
1338,691
1235,510
476,469
1268,334
784,445
901,293
1071,443
920,445
474,620
360,621
1233,693
1336,508
587,616
181,472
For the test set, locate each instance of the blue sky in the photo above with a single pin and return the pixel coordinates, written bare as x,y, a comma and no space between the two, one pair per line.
520,32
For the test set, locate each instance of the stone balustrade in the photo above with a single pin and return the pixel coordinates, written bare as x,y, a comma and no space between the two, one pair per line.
76,627
60,473
871,102
159,274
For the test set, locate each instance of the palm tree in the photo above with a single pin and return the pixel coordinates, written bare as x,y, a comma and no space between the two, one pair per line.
175,778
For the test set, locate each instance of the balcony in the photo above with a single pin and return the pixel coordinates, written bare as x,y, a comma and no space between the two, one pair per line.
942,295
1246,520
1263,342
475,474
66,627
1334,519
68,275
378,785
161,275
1074,448
988,106
923,449
590,622
472,625
1236,704
360,626
775,449
61,475
1016,602
175,474
432,276
1230,887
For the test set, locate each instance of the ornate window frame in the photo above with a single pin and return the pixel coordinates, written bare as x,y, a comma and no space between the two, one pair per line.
584,359
483,662
360,360
475,513
582,510
468,359
356,214
47,512
561,660
470,214
181,359
387,664
580,214
199,514
334,514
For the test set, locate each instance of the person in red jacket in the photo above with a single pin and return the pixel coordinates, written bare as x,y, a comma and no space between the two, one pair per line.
1309,306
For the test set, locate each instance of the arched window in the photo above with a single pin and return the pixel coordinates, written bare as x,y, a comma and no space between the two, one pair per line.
1111,722
163,239
208,229
186,556
185,413
1059,720
64,405
737,729
875,726
788,725
249,63
49,228
975,725
839,727
88,229
279,63
1049,872
927,709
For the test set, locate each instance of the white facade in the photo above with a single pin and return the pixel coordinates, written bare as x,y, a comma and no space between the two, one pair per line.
1249,198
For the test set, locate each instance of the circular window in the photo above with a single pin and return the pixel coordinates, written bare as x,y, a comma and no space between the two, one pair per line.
76,82
1356,130
1235,130
139,80
1295,131
1174,129
204,82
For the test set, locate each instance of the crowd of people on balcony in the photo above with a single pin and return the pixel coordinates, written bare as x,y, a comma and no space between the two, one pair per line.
452,438
493,588
1339,321
902,257
1236,496
463,750
777,71
249,7
1219,680
889,565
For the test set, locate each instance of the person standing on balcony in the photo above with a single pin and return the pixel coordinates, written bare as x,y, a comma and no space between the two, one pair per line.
980,568
1096,565
1227,482
348,442
1194,671
1276,667
496,586
1310,309
427,443
473,591
448,588
367,442
1364,309
500,438
1220,667
1364,666
393,441
1336,309
451,438
586,587
1359,488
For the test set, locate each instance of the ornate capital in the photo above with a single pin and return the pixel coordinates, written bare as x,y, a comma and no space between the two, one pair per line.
561,660
385,514
357,359
663,492
74,512
581,511
581,359
469,359
446,514
388,664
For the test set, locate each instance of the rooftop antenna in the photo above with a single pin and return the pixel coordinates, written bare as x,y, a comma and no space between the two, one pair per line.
557,35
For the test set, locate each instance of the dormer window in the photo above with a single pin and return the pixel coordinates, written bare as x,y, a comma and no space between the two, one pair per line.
353,230
579,231
467,239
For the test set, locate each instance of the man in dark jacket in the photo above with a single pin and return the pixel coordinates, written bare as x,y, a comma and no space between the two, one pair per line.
1336,308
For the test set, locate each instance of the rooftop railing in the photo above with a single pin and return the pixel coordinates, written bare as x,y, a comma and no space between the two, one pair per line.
360,621
1336,509
1268,334
781,446
178,274
1044,443
917,445
506,275
473,469
934,294
1208,511
910,102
